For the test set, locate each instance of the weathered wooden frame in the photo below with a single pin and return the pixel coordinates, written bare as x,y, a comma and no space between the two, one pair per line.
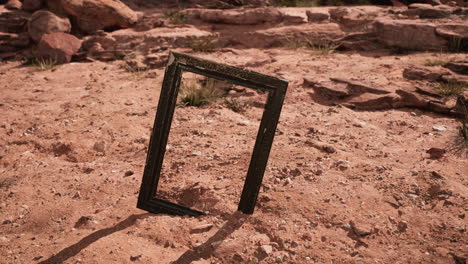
177,63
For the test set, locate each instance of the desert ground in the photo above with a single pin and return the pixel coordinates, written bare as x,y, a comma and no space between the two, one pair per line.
351,176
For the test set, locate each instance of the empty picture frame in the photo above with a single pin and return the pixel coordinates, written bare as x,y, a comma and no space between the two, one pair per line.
177,64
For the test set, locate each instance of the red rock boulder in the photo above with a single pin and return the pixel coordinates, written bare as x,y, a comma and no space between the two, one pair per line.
43,22
32,5
58,46
92,15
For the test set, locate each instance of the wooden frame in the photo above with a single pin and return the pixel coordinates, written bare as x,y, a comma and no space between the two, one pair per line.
177,64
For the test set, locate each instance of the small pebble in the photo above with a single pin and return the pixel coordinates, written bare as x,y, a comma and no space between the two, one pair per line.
439,128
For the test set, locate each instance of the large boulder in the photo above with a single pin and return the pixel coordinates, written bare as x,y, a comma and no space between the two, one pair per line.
92,15
409,34
32,5
13,5
43,22
59,47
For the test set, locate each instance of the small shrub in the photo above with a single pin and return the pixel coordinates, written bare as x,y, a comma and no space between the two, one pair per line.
309,3
323,49
198,93
451,88
203,44
316,49
400,51
43,64
460,143
436,62
134,67
463,128
130,62
296,3
458,45
236,105
175,17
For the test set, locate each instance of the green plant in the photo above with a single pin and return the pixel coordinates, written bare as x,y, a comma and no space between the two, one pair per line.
236,105
451,88
296,3
42,64
308,3
134,67
436,62
175,17
130,62
460,144
323,49
463,128
458,45
203,44
199,92
316,49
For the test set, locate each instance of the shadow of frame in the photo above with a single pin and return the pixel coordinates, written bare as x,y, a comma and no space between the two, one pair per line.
74,249
234,222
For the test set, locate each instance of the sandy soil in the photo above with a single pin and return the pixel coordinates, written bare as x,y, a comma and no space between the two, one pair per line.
73,147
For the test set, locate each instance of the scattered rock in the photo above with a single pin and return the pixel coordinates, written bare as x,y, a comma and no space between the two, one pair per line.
136,64
93,15
135,258
100,146
88,170
436,153
436,175
156,60
439,128
59,149
105,42
342,165
201,229
402,226
360,228
266,249
82,221
58,46
128,173
322,147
